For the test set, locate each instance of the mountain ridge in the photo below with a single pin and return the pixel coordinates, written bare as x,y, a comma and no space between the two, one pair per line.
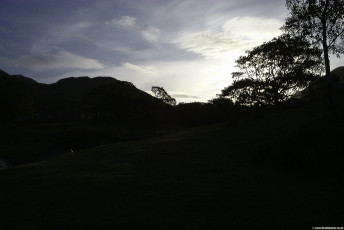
65,99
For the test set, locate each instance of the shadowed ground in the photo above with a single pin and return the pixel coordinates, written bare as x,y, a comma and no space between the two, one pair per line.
215,177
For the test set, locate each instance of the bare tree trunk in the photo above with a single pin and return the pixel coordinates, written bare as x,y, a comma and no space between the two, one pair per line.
329,81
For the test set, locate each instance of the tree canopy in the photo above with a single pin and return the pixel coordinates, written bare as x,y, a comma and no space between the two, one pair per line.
271,73
160,93
322,23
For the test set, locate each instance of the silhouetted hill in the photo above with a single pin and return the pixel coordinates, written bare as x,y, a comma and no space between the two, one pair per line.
76,86
99,97
24,79
340,73
69,98
123,101
318,89
16,97
65,96
17,77
3,74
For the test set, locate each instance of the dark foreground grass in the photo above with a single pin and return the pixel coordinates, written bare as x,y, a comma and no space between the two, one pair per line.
22,143
216,177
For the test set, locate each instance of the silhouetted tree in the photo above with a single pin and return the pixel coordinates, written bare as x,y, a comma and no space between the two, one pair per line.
322,23
270,73
160,93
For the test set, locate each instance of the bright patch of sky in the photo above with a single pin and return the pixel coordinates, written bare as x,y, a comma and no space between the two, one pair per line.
189,47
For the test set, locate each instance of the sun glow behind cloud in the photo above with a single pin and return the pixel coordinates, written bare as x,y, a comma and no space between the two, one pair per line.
221,48
236,36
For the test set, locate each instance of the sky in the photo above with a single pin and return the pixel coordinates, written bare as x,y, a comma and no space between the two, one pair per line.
188,47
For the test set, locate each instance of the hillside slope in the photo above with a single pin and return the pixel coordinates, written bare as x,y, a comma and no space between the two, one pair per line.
16,97
253,175
319,90
339,73
65,99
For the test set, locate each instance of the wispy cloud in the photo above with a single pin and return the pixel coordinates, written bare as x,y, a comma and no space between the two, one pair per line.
151,34
59,34
60,60
123,22
252,29
211,45
185,96
150,70
236,35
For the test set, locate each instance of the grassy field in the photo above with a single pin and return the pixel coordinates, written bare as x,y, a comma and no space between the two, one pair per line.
280,171
22,143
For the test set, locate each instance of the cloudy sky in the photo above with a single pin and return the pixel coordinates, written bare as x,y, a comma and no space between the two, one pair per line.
186,46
